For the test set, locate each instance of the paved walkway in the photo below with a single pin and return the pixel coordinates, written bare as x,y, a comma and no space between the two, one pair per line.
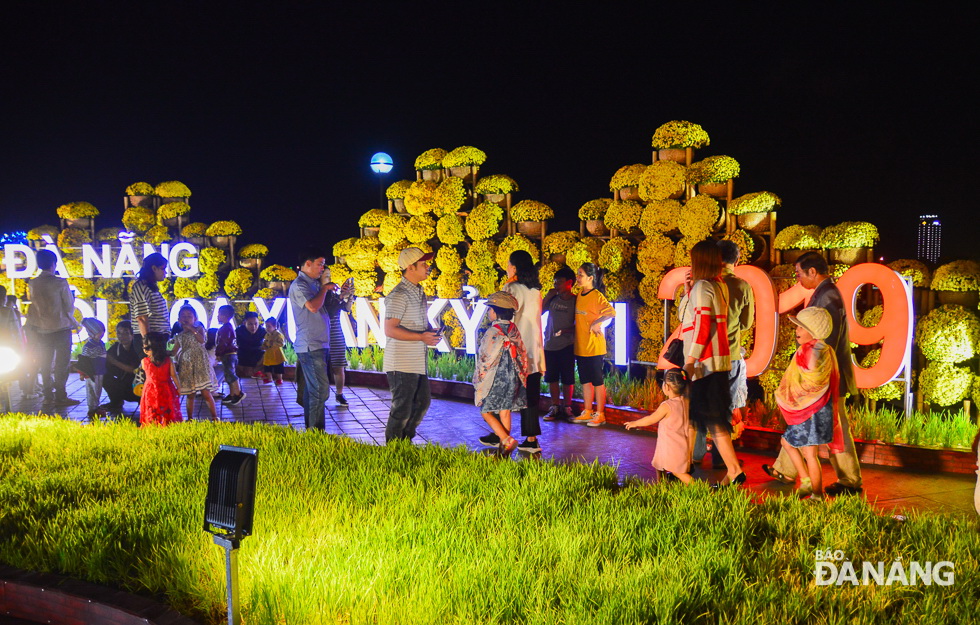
451,423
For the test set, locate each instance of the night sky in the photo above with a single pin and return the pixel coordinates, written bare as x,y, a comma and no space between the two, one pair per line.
271,112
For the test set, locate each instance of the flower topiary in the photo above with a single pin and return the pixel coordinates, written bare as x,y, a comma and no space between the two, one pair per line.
712,170
138,219
430,159
496,184
343,248
662,180
74,267
364,255
759,202
278,273
224,228
420,228
585,251
627,176
660,216
210,259
157,235
698,217
512,244
594,209
959,275
798,238
449,229
171,210
77,210
185,288
372,218
388,257
107,235
397,190
172,188
920,274
339,272
84,288
448,260
207,285
253,250
485,279
392,230
682,251
948,334
195,229
390,281
650,320
449,196
484,221
238,282
680,134
849,234
620,285
463,156
266,294
559,242
887,391
745,244
944,383
531,210
449,285
420,197
482,255
111,289
72,237
649,289
140,188
872,317
623,215
546,275
615,254
38,234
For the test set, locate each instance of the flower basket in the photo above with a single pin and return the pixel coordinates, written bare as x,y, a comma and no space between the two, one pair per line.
754,222
714,189
143,201
530,228
966,299
223,241
596,227
678,155
399,204
466,172
85,223
848,255
432,175
251,263
791,256
629,193
371,232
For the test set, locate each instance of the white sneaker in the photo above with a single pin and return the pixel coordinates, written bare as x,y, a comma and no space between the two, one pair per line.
585,417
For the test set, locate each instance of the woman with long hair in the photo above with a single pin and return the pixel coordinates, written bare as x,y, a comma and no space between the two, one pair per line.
707,355
146,304
592,310
524,285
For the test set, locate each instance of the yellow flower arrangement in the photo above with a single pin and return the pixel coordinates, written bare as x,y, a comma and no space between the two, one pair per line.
107,235
464,155
344,247
759,202
871,317
849,234
138,219
649,349
959,275
77,210
185,288
559,242
388,257
238,282
140,188
397,190
74,267
745,244
278,273
660,216
224,228
585,251
170,210
513,243
713,169
172,188
365,283
420,198
945,384
837,270
496,184
682,251
111,289
72,237
364,255
429,284
448,260
420,228
392,230
623,215
482,255
456,337
37,234
207,285
627,176
798,238
484,221
157,235
783,276
594,209
615,254
680,134
649,288
20,288
266,294
948,334
920,274
662,180
650,321
195,229
485,279
430,159
546,275
885,392
449,285
449,196
698,217
372,218
391,280
531,210
339,272
620,285
210,259
449,229
84,288
253,250
654,254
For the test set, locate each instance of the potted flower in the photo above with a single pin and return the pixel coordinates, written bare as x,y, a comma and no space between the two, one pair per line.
556,244
448,261
193,233
496,187
420,229
211,260
429,164
752,210
849,242
250,256
623,215
140,194
278,277
108,236
615,254
530,216
713,175
138,219
238,282
392,230
78,214
70,239
185,288
944,383
914,269
396,194
592,213
513,243
620,285
449,230
223,233
464,162
660,217
364,254
654,254
664,180
207,285
958,282
449,196
157,235
795,241
172,214
673,139
420,197
172,191
948,334
700,216
482,255
625,182
370,222
585,251
746,246
484,221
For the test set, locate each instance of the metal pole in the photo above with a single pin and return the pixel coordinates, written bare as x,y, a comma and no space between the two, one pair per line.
231,577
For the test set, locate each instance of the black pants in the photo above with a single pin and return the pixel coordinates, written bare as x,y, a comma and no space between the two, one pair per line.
410,399
530,426
53,356
119,389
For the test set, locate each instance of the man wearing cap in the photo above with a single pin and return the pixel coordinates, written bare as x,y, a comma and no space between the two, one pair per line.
812,272
51,319
408,333
312,345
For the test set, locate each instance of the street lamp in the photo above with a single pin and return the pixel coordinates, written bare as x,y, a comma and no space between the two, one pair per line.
381,164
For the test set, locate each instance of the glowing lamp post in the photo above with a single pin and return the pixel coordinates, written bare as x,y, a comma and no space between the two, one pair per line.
381,164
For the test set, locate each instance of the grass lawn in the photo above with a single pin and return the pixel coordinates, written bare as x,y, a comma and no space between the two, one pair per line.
351,533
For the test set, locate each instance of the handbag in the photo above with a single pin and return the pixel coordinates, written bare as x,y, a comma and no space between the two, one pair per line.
674,354
139,379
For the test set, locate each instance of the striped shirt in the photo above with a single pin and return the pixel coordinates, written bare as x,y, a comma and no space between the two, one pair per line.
407,303
145,302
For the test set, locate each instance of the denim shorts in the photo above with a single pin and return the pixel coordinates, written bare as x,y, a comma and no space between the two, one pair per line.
229,362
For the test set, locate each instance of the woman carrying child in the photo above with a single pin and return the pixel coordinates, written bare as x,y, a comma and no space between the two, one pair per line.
673,433
194,370
160,403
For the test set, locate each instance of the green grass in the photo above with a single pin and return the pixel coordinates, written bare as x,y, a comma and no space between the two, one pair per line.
351,533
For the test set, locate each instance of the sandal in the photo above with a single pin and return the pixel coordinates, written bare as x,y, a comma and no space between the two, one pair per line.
776,475
508,445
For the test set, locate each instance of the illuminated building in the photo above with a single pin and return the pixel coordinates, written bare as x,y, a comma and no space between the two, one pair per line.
930,238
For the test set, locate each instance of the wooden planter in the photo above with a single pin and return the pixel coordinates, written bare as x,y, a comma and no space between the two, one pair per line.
196,241
370,232
967,299
790,257
432,175
678,155
278,285
496,198
596,227
558,258
754,222
848,255
83,223
714,189
466,172
251,263
142,201
629,193
530,228
223,241
399,205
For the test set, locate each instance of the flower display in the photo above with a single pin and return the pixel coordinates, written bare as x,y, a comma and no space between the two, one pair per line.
224,228
660,216
585,251
836,270
615,254
138,219
456,337
107,235
871,317
185,288
140,188
682,251
531,210
948,334
620,285
594,209
758,202
172,188
449,229
20,288
420,197
649,349
959,275
449,196
84,288
650,321
420,228
391,280
513,243
745,244
449,285
364,283
448,260
430,159
343,247
429,284
266,294
627,176
698,217
74,267
463,156
485,279
363,256
920,274
783,276
37,234
496,184
392,230
546,275
680,134
887,391
72,237
253,250
623,215
662,180
195,229
339,272
482,255
238,282
559,242
372,218
713,169
207,285
210,259
484,221
798,238
157,235
945,384
649,288
171,210
278,273
388,257
111,289
849,234
397,190
77,210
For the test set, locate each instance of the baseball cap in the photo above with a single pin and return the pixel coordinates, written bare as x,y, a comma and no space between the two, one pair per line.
411,255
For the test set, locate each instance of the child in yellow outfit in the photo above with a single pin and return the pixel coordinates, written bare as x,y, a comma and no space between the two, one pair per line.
274,358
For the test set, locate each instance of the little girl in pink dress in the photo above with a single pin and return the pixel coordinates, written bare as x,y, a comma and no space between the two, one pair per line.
672,454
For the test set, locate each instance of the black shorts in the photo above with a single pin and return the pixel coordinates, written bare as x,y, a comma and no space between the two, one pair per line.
590,370
560,366
274,369
711,401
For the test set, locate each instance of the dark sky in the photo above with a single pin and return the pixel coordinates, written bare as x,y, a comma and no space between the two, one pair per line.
270,112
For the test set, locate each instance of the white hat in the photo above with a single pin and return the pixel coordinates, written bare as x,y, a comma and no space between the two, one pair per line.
814,320
411,255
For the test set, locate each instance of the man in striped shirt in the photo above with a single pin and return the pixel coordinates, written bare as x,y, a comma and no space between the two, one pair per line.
408,332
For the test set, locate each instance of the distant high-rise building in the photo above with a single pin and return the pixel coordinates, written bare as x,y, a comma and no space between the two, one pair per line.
930,237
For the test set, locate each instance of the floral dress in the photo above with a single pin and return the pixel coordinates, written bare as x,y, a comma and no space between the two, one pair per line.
160,403
194,369
501,370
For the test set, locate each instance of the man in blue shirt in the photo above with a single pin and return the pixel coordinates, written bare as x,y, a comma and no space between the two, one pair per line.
306,295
